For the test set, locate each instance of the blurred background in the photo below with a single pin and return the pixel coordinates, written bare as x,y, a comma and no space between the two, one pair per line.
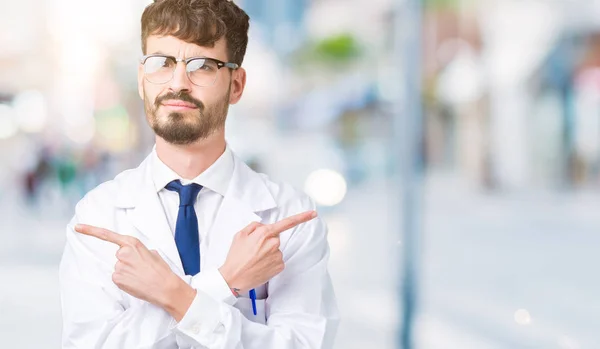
505,252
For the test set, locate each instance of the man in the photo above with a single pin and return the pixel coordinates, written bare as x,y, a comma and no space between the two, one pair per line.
193,249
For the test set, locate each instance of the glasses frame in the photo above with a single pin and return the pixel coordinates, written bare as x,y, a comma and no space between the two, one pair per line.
220,64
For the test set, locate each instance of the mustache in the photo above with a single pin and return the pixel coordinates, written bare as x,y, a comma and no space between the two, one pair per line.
182,96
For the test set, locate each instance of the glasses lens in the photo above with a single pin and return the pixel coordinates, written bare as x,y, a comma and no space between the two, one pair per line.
159,69
202,72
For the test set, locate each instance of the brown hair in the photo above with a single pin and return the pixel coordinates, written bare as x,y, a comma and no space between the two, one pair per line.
201,22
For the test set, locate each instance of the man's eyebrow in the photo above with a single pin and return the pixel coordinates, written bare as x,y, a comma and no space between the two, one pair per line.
160,53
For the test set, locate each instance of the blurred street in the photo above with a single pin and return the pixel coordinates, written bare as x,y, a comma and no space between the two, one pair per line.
500,99
498,271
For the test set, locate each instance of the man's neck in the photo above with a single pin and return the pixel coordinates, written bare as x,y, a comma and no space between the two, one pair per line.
190,160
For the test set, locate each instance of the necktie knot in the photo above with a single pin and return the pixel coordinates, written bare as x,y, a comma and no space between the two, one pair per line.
187,193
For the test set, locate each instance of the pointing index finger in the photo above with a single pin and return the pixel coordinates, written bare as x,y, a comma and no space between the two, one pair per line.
292,221
102,234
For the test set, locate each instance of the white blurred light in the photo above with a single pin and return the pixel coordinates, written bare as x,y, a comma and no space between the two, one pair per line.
326,187
462,81
114,21
522,317
517,42
31,111
80,58
82,132
8,126
109,21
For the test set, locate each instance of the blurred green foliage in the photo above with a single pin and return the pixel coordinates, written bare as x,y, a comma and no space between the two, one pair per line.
444,4
337,50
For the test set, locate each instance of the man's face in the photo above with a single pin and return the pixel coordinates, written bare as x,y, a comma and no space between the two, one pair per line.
179,111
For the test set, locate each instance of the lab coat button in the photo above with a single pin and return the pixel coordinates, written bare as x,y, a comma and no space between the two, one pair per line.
196,329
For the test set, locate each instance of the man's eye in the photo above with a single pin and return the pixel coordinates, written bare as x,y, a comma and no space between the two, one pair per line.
203,67
160,62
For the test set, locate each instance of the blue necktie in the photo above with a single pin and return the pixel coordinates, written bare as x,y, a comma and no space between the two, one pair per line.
186,230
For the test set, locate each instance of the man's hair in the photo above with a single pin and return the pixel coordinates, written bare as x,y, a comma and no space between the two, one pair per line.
201,22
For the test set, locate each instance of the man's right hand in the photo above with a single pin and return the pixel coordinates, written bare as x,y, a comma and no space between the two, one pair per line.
254,257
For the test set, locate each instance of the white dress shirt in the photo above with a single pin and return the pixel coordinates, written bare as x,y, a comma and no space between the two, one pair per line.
214,181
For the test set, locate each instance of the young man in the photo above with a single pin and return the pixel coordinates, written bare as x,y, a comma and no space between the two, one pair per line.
193,249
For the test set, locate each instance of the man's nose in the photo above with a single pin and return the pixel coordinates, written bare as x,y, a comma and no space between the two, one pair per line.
180,81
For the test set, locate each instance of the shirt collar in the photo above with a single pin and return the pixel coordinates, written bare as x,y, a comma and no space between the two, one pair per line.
215,178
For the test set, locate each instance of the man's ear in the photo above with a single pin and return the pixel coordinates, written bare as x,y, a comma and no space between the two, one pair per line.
141,81
238,83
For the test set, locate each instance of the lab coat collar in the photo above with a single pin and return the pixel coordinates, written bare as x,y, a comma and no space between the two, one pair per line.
246,186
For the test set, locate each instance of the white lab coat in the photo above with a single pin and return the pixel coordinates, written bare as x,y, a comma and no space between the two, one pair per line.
296,309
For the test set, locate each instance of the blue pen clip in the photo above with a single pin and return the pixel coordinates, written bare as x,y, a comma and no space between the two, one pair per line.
253,299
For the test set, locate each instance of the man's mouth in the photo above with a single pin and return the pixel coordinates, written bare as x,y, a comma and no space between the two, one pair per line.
180,105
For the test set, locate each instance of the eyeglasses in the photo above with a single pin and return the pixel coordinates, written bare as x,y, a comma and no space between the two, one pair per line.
202,71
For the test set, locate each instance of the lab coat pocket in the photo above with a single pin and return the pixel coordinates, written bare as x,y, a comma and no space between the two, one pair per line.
245,306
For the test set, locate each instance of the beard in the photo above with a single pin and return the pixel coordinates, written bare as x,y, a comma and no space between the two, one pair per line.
182,128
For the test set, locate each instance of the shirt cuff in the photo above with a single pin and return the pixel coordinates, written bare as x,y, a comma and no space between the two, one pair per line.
188,280
203,321
211,282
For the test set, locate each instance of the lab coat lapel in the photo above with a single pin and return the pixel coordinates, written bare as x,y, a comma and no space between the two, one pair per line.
232,217
149,218
145,212
247,194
